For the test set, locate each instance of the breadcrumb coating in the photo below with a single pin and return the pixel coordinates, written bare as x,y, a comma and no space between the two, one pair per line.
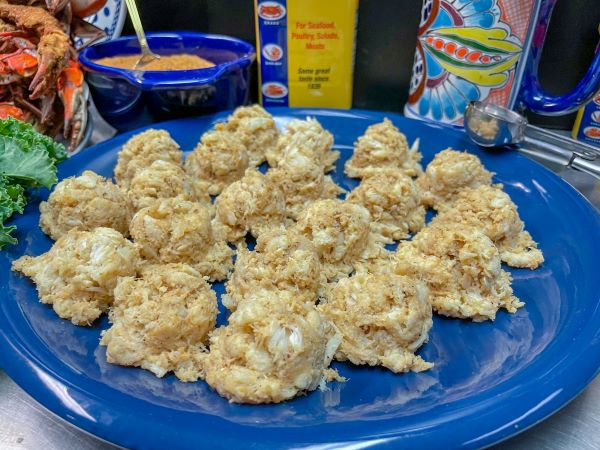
491,210
219,159
462,269
162,179
142,150
256,129
394,202
174,230
217,263
252,204
84,203
378,261
161,321
302,141
282,259
78,274
303,185
447,174
383,320
383,146
273,349
340,232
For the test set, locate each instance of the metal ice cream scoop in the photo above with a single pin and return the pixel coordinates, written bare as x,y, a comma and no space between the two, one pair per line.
494,126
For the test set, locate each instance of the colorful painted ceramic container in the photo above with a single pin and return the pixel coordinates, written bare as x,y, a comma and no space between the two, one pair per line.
486,50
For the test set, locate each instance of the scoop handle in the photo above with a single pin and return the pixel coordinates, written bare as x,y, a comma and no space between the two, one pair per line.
533,95
562,150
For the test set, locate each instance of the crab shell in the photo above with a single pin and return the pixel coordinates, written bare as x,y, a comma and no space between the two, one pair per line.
8,109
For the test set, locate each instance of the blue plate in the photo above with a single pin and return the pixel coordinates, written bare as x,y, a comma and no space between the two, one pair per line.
490,381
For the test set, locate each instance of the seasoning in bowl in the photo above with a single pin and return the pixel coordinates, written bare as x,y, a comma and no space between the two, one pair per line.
181,61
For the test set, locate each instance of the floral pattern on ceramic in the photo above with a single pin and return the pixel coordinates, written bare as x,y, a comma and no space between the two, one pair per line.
466,50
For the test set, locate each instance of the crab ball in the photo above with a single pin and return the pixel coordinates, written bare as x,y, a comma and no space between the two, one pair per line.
447,174
301,186
339,231
394,202
174,230
161,320
304,140
383,147
383,320
462,269
84,203
219,159
491,210
256,129
252,204
282,259
162,179
78,275
142,150
272,349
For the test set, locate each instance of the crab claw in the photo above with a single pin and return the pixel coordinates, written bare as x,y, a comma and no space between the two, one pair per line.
52,47
46,110
56,6
70,91
45,75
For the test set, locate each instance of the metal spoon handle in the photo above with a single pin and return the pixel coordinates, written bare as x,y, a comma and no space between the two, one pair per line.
537,133
578,155
137,26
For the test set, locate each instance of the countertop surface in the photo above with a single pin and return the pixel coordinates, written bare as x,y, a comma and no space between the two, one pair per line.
25,425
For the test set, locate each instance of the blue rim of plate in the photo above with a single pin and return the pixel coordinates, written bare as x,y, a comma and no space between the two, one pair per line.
505,409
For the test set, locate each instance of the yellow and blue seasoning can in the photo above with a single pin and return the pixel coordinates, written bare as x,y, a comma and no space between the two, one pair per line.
587,123
305,52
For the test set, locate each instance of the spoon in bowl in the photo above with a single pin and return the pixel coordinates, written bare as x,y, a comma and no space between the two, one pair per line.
147,54
491,125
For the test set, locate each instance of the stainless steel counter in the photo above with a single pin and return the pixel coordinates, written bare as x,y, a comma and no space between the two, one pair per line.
25,425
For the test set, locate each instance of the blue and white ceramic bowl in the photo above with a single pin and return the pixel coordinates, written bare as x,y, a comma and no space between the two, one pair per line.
129,99
110,19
